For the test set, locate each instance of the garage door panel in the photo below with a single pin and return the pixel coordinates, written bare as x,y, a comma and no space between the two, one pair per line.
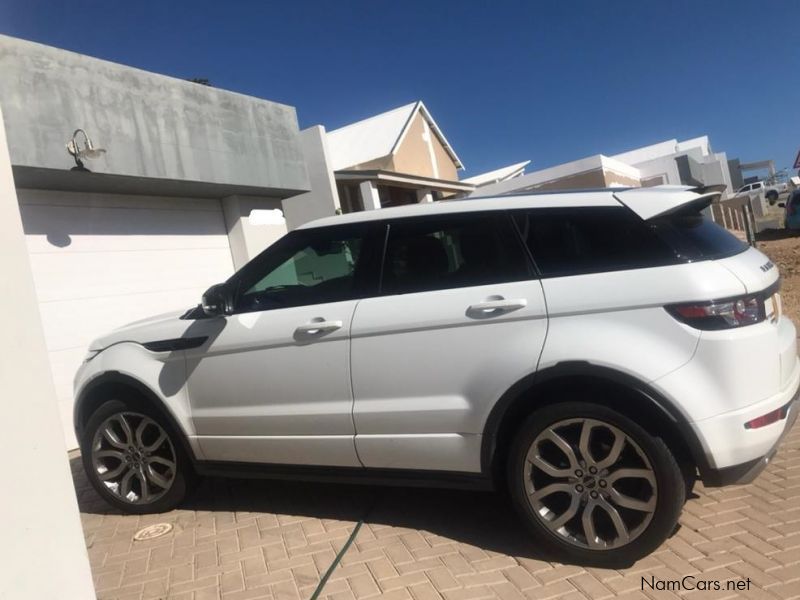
62,276
74,229
75,323
101,261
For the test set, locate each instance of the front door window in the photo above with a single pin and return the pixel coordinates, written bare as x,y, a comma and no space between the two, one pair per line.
306,267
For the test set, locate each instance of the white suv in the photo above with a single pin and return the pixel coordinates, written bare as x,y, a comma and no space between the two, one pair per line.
593,351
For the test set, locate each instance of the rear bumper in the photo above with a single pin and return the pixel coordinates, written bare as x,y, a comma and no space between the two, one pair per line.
746,472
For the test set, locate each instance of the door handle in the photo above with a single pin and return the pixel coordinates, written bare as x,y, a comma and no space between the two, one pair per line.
318,327
496,306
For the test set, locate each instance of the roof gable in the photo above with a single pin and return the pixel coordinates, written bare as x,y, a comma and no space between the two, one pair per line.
379,136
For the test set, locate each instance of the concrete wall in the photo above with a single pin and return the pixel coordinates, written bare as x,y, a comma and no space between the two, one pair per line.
323,199
700,143
246,238
43,554
735,173
664,166
721,158
152,126
691,170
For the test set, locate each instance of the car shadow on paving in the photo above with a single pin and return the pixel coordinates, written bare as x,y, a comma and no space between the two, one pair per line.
238,539
484,519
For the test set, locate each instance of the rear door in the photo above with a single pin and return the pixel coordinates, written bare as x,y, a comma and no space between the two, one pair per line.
460,318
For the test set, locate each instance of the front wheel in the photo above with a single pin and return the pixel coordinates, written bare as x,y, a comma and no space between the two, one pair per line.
593,486
133,458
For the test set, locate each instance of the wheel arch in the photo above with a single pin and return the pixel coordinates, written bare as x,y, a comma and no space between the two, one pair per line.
537,390
110,383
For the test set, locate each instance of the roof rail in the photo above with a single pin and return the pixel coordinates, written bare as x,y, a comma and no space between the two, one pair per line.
551,192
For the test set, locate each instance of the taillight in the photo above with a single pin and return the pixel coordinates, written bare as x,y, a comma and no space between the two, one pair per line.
723,314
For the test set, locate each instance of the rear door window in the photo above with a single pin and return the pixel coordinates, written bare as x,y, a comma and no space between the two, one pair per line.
452,252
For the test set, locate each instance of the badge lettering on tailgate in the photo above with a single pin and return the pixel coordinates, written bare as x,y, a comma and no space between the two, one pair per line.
767,266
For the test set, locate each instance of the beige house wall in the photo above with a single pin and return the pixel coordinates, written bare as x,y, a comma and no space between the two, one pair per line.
596,178
414,157
447,168
614,179
588,179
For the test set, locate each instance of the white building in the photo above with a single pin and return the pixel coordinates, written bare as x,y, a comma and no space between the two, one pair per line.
672,162
690,162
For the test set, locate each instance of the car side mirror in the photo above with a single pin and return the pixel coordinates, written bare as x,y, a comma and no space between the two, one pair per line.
217,300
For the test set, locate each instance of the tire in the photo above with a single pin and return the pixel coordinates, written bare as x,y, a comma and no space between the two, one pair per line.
652,490
772,196
126,445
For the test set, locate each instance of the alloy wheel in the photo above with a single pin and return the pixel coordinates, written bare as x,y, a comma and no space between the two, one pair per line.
590,484
133,457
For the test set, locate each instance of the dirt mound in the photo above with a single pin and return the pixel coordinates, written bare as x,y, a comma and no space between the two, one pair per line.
783,248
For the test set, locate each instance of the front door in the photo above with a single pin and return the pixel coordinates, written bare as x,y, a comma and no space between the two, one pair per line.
460,317
272,383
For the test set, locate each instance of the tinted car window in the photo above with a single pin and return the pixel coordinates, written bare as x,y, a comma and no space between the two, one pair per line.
305,267
590,240
695,237
452,252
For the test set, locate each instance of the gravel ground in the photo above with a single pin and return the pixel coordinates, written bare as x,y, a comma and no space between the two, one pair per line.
783,248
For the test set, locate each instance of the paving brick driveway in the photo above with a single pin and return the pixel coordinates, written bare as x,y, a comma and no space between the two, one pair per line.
241,539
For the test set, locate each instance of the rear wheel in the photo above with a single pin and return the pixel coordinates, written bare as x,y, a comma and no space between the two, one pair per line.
772,196
593,486
133,458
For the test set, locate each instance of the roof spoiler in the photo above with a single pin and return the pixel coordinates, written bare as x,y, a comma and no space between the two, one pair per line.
660,201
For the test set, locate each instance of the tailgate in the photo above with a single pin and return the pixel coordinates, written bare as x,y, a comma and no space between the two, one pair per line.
758,273
753,268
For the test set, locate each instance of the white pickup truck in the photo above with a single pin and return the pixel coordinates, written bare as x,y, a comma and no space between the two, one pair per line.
771,190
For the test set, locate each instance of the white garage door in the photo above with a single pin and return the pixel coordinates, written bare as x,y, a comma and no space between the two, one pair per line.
100,261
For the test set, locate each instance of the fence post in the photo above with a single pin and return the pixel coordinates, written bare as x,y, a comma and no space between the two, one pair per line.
748,224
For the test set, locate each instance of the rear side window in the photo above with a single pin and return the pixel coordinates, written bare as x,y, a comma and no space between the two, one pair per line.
452,252
577,241
695,237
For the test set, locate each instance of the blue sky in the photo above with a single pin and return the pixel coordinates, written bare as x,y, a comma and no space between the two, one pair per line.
506,81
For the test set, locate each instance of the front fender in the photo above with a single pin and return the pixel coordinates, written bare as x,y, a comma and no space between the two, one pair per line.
159,376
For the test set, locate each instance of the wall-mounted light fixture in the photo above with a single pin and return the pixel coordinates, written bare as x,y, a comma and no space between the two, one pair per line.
88,150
